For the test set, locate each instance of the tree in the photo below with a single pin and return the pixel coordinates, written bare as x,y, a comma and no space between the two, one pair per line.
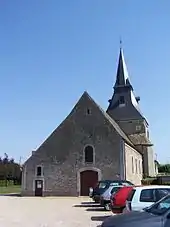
10,170
164,168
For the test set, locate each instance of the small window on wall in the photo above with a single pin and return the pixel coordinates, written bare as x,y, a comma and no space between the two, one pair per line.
88,111
132,165
138,127
139,164
136,164
88,154
122,101
39,171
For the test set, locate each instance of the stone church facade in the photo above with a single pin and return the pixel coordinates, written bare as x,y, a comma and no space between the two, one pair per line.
92,144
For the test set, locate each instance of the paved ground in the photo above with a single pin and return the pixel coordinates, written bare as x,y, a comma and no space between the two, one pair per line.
49,212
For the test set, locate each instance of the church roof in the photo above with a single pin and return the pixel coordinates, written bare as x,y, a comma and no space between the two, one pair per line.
111,121
140,139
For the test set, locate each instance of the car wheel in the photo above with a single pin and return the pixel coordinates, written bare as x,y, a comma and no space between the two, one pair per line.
107,207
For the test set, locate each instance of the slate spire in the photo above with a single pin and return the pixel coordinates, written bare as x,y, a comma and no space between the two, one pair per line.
123,95
122,77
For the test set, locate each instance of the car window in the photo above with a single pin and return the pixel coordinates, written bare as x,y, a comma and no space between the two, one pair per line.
115,189
161,192
147,195
131,194
102,185
127,183
160,207
114,184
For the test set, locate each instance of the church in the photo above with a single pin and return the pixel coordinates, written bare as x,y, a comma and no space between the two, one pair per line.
93,144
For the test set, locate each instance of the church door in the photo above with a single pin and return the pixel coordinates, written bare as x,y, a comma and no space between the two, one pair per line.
88,178
38,188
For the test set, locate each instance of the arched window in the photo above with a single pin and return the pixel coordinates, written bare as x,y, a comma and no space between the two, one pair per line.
88,154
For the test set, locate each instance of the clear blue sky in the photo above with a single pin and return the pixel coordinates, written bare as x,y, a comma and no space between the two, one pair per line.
53,50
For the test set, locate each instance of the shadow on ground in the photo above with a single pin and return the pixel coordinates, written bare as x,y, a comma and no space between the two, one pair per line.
99,218
87,204
96,209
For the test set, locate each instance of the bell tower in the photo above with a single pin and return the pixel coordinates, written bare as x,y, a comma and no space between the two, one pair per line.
125,110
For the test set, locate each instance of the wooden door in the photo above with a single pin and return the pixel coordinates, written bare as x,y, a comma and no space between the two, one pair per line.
38,188
88,179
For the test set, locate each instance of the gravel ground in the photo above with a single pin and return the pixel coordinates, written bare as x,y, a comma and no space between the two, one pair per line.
49,212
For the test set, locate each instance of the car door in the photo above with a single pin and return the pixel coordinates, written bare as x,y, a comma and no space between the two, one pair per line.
146,198
166,222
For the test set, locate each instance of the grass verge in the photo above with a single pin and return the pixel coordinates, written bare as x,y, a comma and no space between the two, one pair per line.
10,189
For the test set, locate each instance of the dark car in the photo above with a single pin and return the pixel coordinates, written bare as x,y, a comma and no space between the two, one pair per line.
104,185
157,215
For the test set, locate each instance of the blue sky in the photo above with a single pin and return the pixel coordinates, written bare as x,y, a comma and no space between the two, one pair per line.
53,50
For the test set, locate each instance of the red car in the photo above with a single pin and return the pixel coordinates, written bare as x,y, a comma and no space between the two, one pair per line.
118,200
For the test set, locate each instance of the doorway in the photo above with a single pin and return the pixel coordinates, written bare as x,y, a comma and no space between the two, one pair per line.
38,187
88,178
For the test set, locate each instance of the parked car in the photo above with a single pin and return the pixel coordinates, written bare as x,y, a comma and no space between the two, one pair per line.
105,197
145,196
118,200
157,215
103,185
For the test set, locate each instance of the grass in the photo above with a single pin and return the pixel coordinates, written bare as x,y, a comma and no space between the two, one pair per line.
10,189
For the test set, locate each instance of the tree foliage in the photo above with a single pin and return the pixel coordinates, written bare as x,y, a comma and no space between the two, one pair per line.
164,168
9,170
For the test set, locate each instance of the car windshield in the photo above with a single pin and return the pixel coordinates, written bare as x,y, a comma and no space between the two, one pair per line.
160,207
102,184
115,189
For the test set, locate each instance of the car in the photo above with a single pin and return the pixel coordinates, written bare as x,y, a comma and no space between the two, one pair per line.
103,185
118,200
145,196
105,197
157,215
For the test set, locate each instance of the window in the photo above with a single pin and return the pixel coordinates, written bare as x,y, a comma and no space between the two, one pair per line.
138,127
88,111
161,192
140,167
39,171
136,164
88,154
114,190
114,184
132,165
122,101
147,195
160,208
131,194
102,185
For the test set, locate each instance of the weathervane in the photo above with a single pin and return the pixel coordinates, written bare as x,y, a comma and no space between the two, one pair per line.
120,42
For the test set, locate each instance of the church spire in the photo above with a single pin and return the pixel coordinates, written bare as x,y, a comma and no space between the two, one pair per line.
123,96
122,77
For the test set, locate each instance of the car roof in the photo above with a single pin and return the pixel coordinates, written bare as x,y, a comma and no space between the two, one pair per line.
151,186
114,181
126,187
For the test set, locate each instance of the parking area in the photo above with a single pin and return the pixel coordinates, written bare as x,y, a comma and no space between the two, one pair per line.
50,212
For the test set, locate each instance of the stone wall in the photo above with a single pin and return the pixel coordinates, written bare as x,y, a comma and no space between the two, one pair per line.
61,155
134,168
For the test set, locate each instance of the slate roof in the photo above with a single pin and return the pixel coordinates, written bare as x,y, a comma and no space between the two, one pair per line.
112,122
140,139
